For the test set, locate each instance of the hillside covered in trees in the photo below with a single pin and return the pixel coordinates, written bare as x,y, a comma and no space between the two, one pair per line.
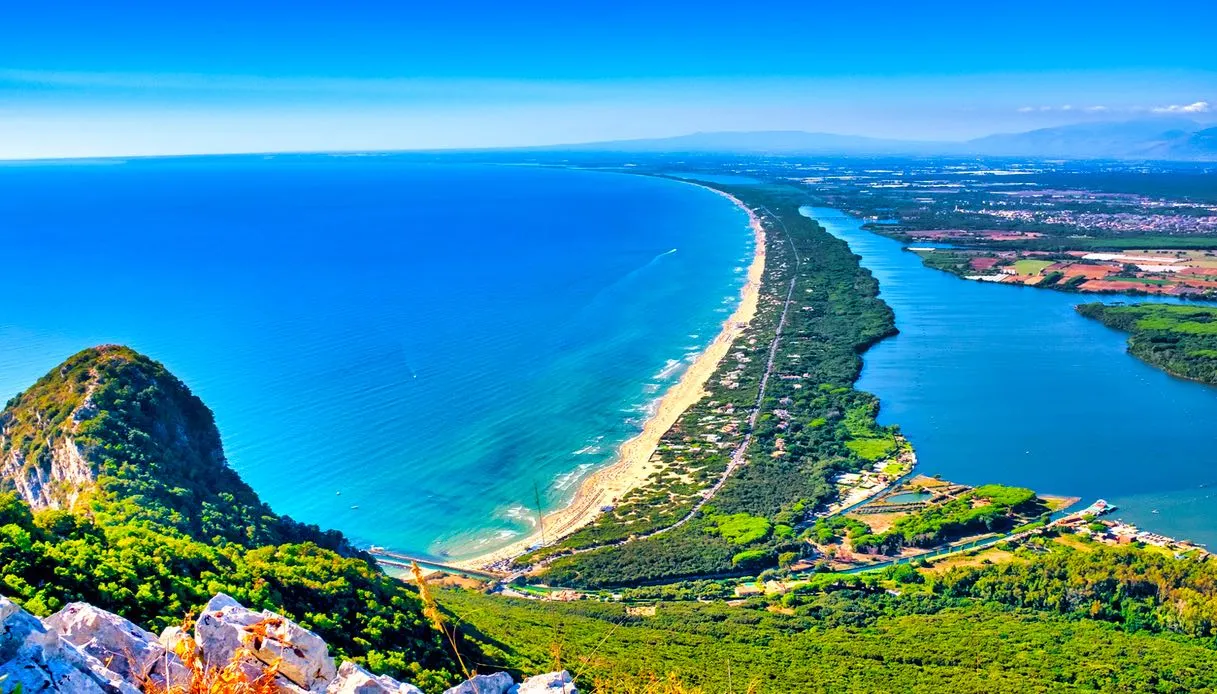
118,494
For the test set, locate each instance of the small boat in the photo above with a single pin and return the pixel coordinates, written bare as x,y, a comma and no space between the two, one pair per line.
1154,511
355,507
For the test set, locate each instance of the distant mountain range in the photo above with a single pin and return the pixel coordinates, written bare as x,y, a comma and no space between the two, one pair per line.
1151,139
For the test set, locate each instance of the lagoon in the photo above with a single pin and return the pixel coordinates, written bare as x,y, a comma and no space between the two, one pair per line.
994,383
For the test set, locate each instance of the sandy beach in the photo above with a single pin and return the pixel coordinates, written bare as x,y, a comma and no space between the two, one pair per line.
632,466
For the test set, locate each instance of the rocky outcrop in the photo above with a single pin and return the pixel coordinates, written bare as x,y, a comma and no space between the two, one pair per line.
501,683
549,683
227,631
35,659
86,650
128,651
498,683
56,481
353,679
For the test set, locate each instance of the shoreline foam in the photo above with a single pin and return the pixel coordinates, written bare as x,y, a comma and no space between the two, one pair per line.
605,486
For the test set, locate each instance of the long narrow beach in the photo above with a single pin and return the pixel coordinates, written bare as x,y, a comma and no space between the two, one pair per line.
632,466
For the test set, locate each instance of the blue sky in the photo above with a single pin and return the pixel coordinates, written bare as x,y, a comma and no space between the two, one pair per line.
90,79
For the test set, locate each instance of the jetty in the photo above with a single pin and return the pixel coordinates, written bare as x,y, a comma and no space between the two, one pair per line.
403,561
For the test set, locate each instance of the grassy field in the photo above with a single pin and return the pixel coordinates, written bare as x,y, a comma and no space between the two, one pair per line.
1031,267
872,449
991,555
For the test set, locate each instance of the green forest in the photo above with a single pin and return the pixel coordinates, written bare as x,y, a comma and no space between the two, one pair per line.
856,640
1076,615
1181,340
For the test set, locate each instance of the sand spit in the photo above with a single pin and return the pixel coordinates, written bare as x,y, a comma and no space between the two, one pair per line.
632,467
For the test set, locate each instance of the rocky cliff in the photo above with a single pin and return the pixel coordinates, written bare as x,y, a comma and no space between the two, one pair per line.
84,650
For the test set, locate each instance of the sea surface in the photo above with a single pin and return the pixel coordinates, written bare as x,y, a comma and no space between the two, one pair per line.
411,353
1006,384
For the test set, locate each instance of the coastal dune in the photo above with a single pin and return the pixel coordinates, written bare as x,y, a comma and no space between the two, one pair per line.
632,466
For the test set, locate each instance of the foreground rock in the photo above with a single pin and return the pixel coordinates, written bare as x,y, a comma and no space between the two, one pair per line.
353,679
128,651
85,650
498,683
35,659
549,683
226,627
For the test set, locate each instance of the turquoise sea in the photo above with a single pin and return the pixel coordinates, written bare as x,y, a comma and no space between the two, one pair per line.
995,383
402,351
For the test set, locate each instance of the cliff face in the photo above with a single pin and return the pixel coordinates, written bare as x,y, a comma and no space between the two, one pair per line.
57,480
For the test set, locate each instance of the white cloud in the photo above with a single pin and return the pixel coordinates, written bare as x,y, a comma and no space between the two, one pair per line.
1197,107
1066,107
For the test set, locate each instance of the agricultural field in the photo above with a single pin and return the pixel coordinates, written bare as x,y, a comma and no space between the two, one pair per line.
1137,271
1029,266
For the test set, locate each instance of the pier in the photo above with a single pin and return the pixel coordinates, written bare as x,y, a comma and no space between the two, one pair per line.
404,561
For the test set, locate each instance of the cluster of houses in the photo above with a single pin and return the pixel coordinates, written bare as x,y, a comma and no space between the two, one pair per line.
1115,532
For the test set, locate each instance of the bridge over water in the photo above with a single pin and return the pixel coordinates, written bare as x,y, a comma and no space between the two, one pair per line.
403,561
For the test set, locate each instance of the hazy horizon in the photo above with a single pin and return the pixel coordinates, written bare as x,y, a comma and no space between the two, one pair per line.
160,80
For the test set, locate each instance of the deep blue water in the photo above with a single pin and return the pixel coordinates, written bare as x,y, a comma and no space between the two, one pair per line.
1005,384
423,342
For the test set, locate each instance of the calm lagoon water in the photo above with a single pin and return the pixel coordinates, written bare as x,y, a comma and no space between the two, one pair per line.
908,498
394,349
1008,384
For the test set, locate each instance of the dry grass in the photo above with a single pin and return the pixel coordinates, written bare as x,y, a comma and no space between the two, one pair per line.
432,613
231,678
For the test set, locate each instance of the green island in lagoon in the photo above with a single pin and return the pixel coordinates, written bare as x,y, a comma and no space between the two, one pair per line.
1179,339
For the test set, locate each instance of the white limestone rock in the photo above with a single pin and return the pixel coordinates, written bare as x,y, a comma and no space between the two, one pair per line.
38,660
225,626
498,683
549,683
173,637
219,629
127,650
353,679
